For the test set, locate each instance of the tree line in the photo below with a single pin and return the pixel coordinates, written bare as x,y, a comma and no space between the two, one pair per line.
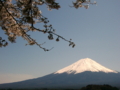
88,87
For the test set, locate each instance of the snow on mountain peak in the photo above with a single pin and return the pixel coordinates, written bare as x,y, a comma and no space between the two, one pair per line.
83,65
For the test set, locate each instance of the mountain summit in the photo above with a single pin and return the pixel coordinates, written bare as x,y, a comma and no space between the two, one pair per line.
83,65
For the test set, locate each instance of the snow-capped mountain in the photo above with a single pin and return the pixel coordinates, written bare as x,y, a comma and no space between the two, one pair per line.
83,65
81,73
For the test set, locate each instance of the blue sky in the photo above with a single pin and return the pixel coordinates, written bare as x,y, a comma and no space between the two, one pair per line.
95,31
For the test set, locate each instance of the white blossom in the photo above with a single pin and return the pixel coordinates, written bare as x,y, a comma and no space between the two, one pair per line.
86,6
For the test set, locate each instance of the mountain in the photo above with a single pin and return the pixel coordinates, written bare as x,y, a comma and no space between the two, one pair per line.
81,73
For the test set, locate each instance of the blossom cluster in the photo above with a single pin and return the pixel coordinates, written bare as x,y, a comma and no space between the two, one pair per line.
82,3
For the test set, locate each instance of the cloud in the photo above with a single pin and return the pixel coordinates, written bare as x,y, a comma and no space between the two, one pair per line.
8,78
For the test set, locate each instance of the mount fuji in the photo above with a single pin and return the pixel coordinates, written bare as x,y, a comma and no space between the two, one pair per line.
81,73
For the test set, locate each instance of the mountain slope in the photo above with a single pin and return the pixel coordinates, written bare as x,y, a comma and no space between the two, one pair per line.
65,80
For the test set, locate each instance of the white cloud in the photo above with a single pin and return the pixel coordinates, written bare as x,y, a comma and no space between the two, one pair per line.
8,78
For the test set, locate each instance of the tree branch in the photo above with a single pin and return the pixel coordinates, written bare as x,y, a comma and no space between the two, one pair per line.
25,35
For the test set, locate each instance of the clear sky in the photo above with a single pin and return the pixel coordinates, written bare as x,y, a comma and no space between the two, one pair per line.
95,31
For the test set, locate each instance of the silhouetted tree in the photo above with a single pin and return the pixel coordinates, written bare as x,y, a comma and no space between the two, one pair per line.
17,18
99,87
